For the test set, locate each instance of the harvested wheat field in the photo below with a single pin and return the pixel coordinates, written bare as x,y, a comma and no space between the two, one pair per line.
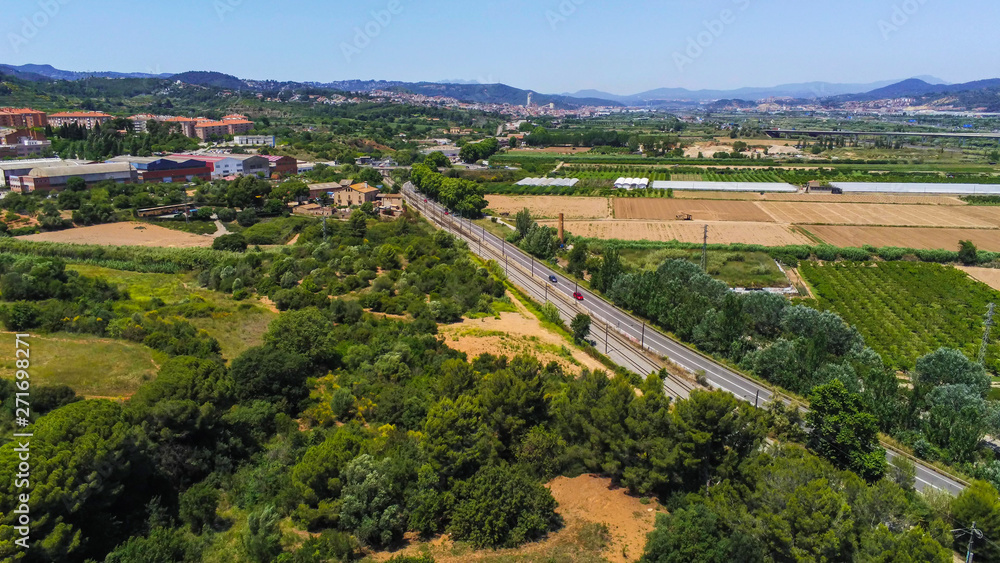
883,214
768,234
124,234
822,198
514,334
906,237
668,209
549,207
989,276
586,504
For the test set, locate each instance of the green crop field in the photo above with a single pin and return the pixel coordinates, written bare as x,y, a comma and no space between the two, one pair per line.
905,310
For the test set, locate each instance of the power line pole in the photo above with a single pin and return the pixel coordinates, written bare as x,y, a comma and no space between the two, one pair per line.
974,534
704,252
986,334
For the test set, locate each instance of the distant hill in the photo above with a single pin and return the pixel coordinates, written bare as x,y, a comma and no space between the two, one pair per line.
37,73
917,88
214,79
804,90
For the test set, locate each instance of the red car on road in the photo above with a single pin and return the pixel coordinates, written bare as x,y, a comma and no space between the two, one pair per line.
578,296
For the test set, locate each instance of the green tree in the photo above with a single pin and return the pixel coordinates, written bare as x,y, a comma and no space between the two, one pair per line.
358,224
979,503
523,222
578,259
950,367
198,504
271,374
912,546
371,507
715,434
844,432
502,506
261,540
815,525
235,242
437,159
968,254
696,533
580,327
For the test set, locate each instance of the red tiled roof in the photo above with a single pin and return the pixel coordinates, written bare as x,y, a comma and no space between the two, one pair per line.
181,119
18,110
223,123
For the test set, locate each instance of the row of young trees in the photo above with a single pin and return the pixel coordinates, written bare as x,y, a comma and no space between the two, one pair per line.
461,196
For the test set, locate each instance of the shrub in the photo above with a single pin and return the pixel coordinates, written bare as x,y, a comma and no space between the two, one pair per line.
231,243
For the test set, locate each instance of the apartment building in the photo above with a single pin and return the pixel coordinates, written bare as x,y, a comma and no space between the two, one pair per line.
22,118
217,129
88,119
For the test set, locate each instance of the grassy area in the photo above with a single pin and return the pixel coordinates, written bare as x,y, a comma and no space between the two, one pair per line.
738,269
193,227
92,366
236,325
905,310
495,228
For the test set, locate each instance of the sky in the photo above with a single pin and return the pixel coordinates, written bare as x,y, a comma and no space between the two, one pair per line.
550,46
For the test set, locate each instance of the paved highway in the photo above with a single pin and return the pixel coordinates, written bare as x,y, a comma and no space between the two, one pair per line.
633,344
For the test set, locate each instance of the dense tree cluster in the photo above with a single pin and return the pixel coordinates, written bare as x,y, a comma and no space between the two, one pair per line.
461,196
474,152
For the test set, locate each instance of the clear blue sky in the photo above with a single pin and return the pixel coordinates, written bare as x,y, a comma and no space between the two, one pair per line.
621,47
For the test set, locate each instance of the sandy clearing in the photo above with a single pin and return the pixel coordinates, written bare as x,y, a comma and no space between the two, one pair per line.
704,210
768,234
514,334
989,276
582,501
124,234
549,207
553,150
906,237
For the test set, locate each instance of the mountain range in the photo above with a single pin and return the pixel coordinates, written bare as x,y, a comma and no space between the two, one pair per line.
927,89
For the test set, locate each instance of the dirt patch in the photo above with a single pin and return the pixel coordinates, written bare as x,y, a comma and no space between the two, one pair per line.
768,234
513,334
989,276
549,207
294,240
584,503
906,237
703,210
124,234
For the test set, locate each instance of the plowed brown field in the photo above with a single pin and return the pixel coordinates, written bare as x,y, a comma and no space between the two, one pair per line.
884,215
768,234
549,207
906,237
668,209
823,198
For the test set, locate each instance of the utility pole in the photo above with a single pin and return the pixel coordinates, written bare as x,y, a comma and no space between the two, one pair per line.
974,534
704,252
986,335
324,228
605,339
642,339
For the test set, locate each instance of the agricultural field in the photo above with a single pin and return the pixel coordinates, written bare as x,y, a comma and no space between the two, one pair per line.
737,269
821,197
989,276
124,234
668,209
906,310
906,237
549,207
768,234
883,214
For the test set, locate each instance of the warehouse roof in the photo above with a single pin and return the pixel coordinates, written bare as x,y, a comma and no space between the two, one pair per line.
81,170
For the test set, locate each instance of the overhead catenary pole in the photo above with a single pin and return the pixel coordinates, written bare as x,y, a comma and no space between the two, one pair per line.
986,334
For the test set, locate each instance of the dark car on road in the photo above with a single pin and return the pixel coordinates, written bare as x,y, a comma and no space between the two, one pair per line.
553,279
